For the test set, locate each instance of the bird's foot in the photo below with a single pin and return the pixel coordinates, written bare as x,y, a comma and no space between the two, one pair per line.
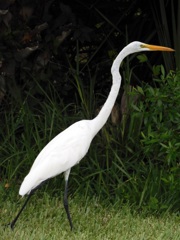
11,225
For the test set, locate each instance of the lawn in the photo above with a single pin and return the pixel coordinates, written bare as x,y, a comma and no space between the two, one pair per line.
45,218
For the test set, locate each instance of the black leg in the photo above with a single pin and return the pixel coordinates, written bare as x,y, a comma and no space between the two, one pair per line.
66,204
11,224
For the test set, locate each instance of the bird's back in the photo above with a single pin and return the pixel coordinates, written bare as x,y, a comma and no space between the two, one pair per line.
59,155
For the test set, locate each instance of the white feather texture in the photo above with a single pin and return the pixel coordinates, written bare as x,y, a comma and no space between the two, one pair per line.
59,155
71,145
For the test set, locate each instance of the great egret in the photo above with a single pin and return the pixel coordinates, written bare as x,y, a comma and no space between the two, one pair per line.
71,145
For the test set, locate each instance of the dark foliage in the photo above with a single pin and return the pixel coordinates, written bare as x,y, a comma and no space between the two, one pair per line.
48,41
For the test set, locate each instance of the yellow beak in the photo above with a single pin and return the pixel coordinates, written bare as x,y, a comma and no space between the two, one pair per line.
157,48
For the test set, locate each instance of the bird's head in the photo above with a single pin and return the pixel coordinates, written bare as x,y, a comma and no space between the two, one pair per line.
134,47
139,47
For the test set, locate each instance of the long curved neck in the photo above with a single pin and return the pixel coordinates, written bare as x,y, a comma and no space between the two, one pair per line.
103,115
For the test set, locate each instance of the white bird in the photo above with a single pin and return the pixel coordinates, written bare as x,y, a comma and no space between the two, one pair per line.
71,145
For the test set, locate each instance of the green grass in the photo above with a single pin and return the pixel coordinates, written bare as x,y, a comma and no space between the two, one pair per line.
45,218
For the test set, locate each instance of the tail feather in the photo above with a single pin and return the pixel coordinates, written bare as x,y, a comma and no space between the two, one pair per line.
30,183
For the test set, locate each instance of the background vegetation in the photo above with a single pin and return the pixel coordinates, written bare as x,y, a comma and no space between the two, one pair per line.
55,59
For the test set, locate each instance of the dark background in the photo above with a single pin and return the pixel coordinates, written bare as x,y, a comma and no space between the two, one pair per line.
52,40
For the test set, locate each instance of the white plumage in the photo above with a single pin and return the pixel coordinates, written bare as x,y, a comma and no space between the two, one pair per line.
71,145
59,155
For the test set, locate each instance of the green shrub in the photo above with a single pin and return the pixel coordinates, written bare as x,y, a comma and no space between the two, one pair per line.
161,128
160,141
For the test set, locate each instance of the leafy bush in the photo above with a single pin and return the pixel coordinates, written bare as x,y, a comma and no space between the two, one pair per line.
160,139
160,132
